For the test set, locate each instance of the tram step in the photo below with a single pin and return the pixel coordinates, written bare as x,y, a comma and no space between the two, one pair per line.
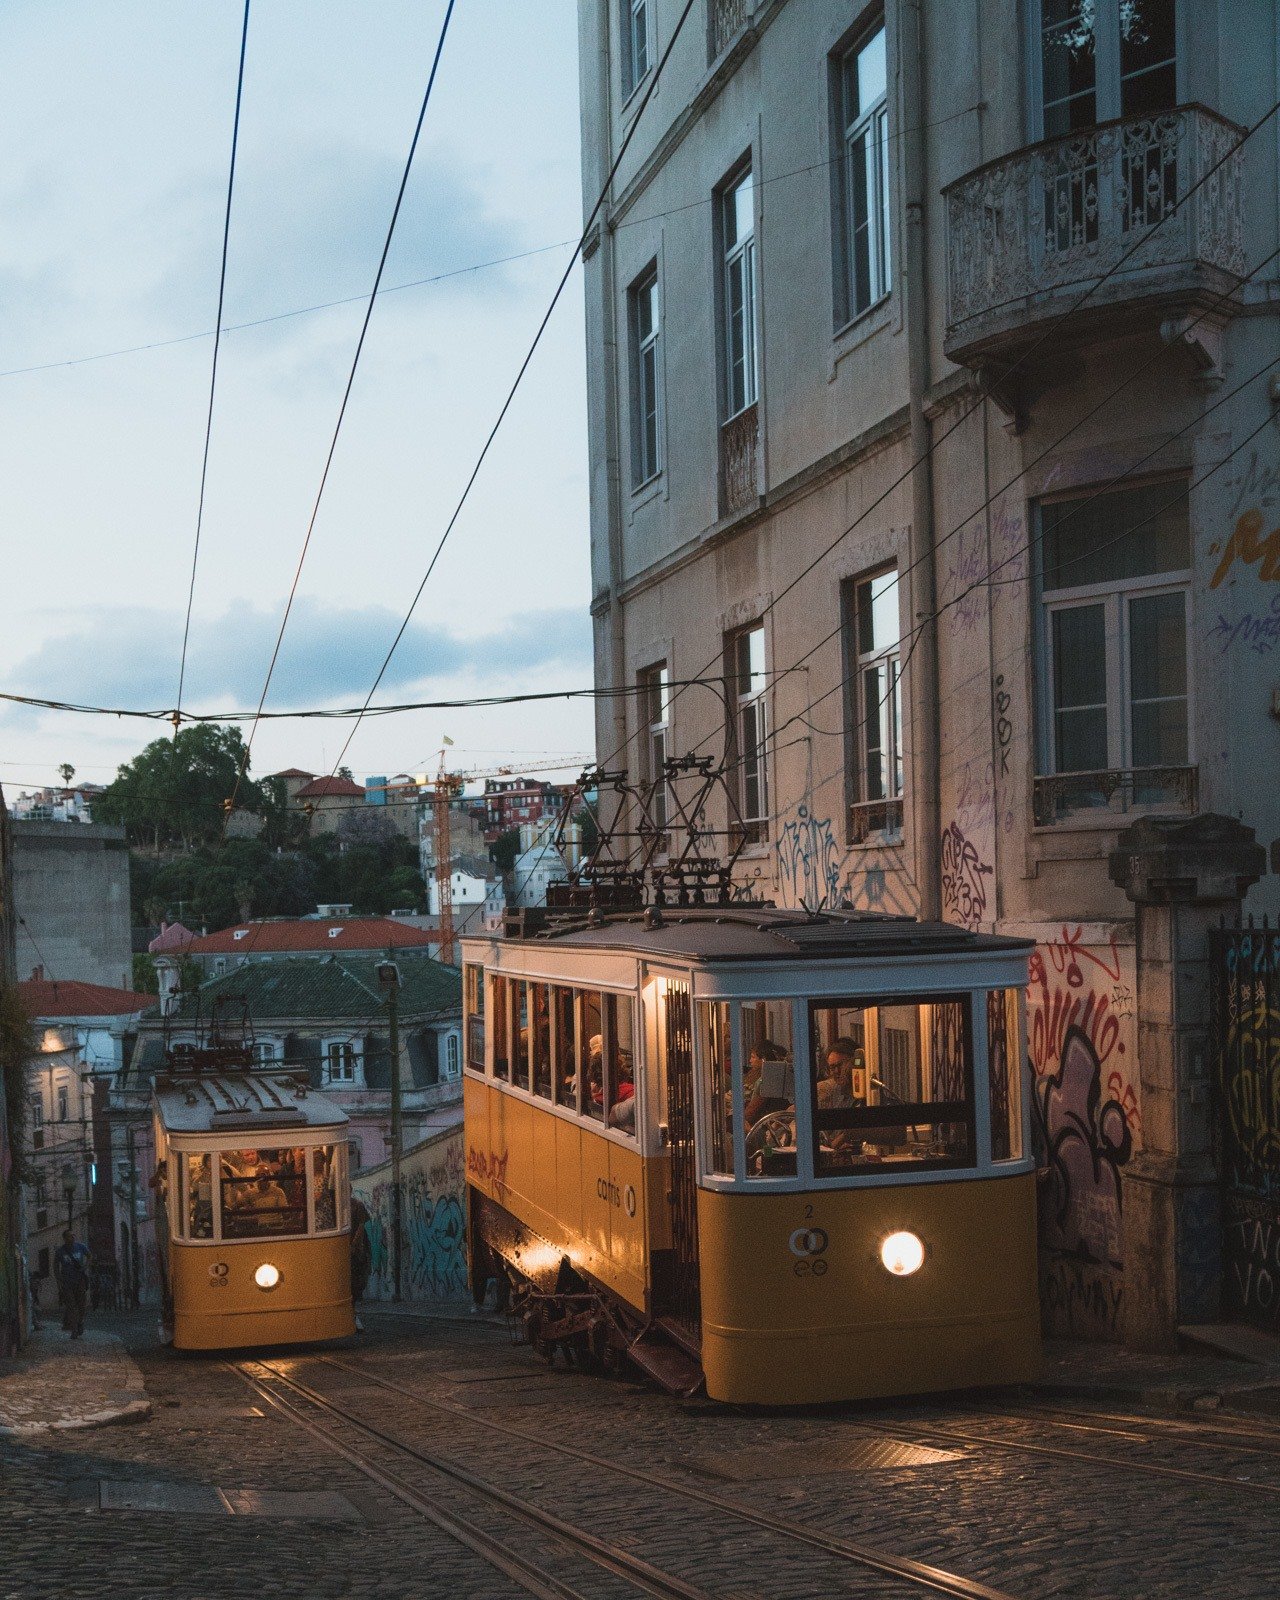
668,1365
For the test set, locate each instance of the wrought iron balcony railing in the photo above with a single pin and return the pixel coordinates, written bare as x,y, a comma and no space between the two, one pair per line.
1058,215
739,484
1067,794
870,819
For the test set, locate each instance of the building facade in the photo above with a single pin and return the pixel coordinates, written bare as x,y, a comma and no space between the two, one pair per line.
935,474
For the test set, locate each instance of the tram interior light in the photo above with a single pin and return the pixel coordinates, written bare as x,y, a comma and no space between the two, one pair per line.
902,1254
266,1276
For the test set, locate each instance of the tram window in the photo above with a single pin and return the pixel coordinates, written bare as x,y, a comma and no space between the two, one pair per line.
892,1082
565,1047
325,1157
501,1028
768,1089
591,1058
475,1017
263,1192
540,1039
621,1076
718,1074
520,1036
199,1196
1004,1076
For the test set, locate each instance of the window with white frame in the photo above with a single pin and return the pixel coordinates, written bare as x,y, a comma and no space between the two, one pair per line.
1115,606
863,118
343,1063
748,681
37,1111
1101,59
874,701
452,1055
646,377
654,684
737,217
266,1052
635,43
64,1110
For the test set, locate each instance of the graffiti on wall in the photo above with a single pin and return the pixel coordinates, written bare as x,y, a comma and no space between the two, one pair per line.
433,1224
809,862
1087,1124
964,879
1259,632
969,568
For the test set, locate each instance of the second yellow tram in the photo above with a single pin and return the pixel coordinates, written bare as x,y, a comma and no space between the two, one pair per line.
783,1155
254,1216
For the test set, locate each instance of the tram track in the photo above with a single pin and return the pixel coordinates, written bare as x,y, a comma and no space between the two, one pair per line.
532,1578
1230,1435
933,1579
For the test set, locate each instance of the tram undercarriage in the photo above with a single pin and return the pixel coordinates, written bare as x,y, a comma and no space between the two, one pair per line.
561,1309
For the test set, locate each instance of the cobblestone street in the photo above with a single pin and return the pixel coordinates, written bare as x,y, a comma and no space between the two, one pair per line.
323,1473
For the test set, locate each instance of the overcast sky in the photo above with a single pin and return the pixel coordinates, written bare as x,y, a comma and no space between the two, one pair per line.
115,130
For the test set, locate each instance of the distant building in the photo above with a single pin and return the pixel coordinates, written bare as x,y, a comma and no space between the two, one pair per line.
510,802
538,864
73,804
13,1305
71,899
84,1035
332,931
328,801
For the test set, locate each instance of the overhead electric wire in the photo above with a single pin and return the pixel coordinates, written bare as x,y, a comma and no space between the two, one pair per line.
346,393
213,374
601,198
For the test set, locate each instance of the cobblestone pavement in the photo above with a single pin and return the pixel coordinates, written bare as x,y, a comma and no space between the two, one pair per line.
64,1383
1069,1499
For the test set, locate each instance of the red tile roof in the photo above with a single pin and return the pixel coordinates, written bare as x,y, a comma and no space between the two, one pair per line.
328,788
172,936
45,997
313,933
293,772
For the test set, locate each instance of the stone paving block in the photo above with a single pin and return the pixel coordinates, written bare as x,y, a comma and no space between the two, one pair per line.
60,1384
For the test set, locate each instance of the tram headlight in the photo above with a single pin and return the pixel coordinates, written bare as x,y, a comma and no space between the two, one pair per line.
902,1254
266,1276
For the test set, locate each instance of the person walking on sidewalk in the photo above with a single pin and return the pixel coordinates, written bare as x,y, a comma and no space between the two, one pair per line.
71,1264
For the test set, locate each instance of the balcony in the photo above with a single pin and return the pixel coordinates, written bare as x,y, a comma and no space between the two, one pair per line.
725,21
1075,794
1027,235
739,483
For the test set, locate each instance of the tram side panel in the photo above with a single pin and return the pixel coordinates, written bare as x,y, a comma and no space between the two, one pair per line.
585,1195
798,1307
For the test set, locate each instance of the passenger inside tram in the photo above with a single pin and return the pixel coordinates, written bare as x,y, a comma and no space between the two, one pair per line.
326,1189
263,1191
768,1090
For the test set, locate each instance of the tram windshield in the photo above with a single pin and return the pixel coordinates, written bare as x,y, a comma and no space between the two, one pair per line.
891,1082
263,1192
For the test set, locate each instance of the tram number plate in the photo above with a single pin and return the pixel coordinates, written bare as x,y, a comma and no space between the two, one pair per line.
219,1275
808,1246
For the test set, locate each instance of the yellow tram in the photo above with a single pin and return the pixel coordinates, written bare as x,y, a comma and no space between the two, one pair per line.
254,1221
787,1155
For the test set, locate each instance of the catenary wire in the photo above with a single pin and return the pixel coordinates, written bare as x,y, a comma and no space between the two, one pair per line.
346,394
524,365
213,374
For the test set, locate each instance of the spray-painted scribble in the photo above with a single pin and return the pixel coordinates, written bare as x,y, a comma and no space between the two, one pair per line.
964,886
809,862
433,1224
1250,546
1258,632
1004,728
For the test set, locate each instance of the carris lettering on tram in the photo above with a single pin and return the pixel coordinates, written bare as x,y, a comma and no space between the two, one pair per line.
610,1192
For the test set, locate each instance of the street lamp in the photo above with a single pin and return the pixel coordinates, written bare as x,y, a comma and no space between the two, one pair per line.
389,983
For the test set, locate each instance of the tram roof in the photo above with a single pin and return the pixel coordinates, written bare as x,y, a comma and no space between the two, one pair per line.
746,934
243,1101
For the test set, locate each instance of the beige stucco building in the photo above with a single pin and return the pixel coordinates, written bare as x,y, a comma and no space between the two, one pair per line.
933,366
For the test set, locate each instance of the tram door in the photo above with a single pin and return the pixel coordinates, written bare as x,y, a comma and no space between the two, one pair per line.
682,1301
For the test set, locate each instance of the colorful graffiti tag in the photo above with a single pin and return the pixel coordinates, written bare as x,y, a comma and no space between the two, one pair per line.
433,1225
1087,1125
809,862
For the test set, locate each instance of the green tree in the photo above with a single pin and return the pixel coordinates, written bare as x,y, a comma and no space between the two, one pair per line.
174,791
504,850
146,980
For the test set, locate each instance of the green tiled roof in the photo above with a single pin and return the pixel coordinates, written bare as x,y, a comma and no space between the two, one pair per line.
332,988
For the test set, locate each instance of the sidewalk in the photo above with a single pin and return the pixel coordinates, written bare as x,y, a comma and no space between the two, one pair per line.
58,1383
1198,1377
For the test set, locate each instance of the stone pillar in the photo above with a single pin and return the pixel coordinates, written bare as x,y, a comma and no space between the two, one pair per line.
1183,874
